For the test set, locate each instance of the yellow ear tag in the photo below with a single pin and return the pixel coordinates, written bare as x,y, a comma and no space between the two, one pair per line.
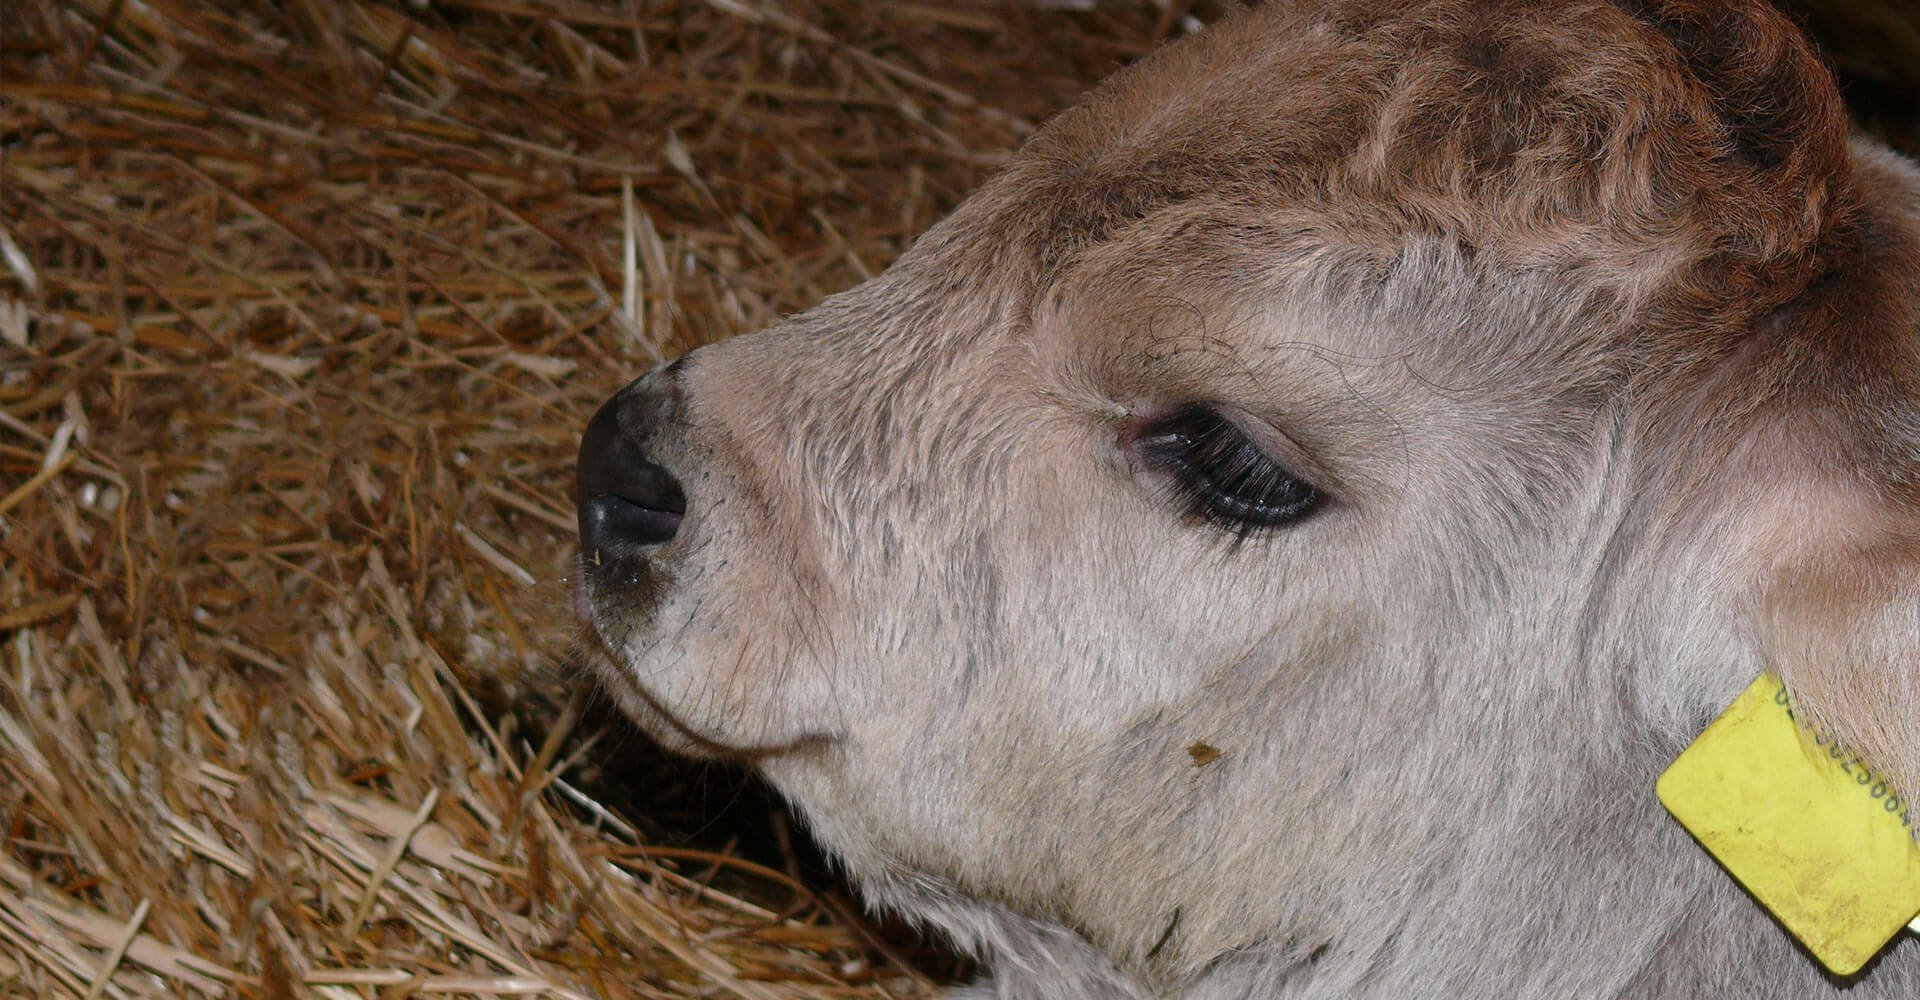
1819,839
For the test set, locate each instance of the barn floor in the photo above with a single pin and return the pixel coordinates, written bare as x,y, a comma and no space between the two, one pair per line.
302,308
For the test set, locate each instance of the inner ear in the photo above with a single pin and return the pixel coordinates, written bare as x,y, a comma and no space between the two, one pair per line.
1842,629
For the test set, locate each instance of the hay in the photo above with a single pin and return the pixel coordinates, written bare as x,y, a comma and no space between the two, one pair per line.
302,308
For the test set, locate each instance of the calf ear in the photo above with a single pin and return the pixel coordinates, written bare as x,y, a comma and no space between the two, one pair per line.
1842,629
1837,547
1827,385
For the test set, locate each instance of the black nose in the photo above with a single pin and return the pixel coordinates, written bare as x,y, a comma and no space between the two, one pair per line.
625,501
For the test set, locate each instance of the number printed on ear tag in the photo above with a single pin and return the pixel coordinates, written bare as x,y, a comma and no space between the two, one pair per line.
1816,836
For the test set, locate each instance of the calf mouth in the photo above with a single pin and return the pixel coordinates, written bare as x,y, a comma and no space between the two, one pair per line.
631,509
615,602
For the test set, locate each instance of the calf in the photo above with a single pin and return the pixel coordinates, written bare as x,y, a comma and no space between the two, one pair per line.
1268,540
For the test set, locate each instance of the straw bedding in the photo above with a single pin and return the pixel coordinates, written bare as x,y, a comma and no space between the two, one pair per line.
302,307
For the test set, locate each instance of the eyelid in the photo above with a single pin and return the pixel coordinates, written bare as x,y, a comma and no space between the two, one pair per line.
1221,475
1278,446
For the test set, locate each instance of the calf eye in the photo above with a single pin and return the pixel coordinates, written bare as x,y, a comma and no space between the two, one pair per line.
1222,476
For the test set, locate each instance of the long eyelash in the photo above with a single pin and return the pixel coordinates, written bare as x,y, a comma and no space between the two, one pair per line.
1220,476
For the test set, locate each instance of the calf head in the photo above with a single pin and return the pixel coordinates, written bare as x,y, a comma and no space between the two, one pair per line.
1268,539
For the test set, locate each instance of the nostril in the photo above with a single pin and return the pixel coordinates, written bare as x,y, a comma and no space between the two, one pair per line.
609,519
625,500
628,476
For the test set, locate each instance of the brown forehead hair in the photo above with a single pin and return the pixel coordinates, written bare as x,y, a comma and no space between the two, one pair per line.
1568,133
